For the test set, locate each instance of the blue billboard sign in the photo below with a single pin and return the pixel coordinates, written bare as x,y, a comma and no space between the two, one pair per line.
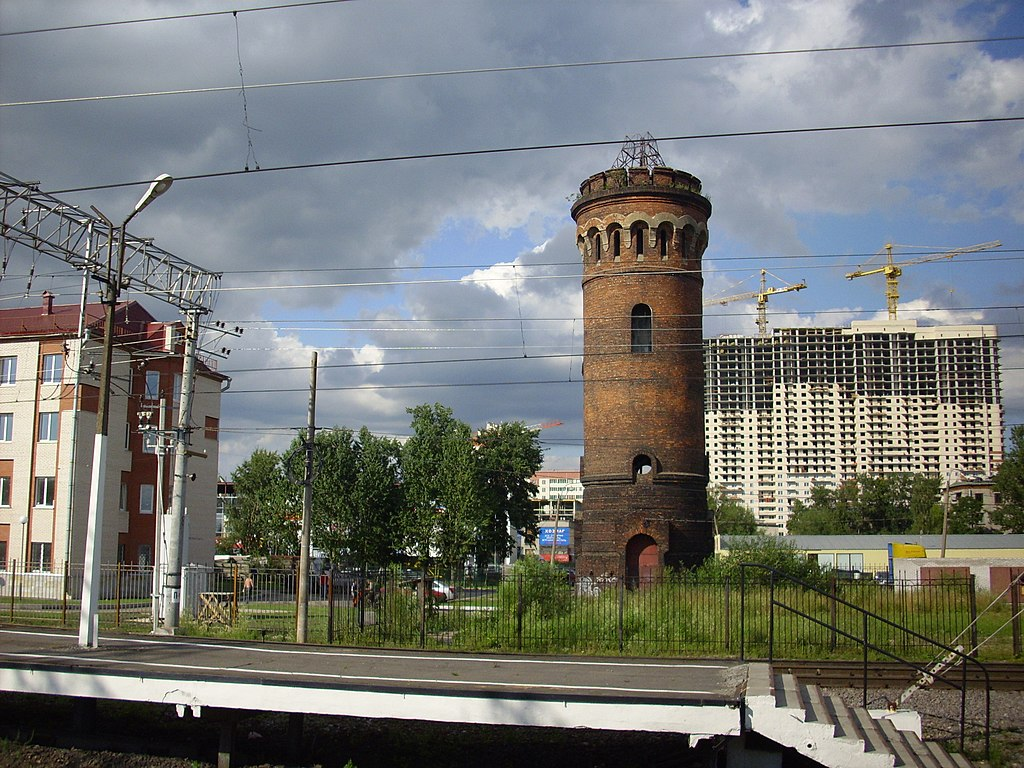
547,535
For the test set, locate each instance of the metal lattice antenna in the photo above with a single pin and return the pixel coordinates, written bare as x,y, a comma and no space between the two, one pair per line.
639,151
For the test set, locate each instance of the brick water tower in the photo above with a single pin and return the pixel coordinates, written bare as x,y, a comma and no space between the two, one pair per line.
641,228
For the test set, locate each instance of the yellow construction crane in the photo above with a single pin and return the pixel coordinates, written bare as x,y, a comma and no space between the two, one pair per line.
762,299
892,270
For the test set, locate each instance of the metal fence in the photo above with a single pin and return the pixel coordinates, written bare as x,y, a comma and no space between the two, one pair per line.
541,611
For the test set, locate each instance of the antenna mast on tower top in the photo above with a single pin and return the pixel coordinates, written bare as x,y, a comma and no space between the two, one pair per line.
639,151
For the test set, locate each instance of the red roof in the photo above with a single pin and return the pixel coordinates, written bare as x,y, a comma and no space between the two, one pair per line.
62,319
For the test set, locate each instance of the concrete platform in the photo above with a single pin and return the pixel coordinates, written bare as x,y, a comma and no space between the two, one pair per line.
698,699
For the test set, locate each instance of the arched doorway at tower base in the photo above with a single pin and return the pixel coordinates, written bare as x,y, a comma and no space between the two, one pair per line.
643,562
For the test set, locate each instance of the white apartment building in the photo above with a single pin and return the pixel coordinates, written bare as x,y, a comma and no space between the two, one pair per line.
817,406
558,502
50,359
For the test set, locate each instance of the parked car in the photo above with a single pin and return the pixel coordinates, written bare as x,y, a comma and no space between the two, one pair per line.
439,591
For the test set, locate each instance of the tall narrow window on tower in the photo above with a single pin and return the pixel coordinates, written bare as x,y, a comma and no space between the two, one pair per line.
639,234
642,330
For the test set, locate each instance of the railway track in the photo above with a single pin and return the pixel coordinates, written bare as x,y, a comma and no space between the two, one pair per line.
1003,676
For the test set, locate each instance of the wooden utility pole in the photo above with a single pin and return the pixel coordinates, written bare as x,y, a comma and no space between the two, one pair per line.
302,615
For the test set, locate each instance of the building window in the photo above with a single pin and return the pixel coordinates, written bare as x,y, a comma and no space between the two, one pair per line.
45,487
616,243
53,369
122,502
150,440
642,465
8,370
664,237
145,554
42,556
639,234
212,428
49,426
5,491
145,499
152,385
642,329
3,554
6,427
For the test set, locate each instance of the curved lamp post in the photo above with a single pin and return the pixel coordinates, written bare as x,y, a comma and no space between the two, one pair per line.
88,624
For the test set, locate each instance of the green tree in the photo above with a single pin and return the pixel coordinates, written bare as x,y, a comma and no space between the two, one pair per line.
769,551
334,472
507,456
828,511
443,497
731,517
376,505
263,519
1009,484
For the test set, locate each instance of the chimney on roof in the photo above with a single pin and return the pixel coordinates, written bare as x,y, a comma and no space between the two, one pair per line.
47,303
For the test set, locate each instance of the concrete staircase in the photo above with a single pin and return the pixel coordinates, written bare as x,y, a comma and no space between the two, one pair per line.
828,732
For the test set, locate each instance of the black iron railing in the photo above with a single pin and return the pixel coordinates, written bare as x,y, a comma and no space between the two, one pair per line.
949,659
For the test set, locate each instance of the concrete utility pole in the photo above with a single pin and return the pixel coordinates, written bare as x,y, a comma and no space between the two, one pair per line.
158,533
88,623
302,615
172,576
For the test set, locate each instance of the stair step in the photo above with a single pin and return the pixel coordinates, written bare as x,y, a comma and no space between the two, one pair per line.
946,759
817,710
899,745
874,739
842,718
787,693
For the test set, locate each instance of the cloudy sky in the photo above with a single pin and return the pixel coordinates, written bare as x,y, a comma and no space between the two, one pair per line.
391,186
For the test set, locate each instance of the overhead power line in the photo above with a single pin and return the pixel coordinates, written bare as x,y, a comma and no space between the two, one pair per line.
172,17
495,70
564,145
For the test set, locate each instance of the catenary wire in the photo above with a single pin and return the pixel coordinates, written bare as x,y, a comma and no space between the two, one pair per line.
767,132
493,70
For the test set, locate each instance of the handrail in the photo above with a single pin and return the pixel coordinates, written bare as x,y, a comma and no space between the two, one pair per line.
864,641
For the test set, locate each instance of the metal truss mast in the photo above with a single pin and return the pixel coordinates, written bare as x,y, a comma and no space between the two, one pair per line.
50,226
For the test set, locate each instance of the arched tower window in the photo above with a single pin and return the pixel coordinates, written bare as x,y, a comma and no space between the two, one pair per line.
616,244
641,329
595,239
664,239
688,234
638,232
642,465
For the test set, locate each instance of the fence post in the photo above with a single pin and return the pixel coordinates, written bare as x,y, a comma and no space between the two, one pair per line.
743,613
864,679
64,597
1016,586
973,597
622,605
330,607
14,570
519,611
728,615
117,594
834,615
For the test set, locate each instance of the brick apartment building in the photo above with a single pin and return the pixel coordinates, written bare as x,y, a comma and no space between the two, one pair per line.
49,390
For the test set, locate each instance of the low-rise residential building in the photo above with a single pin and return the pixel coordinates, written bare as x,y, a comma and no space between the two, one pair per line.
50,360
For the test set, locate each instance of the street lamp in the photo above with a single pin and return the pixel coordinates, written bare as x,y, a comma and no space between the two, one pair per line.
88,624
